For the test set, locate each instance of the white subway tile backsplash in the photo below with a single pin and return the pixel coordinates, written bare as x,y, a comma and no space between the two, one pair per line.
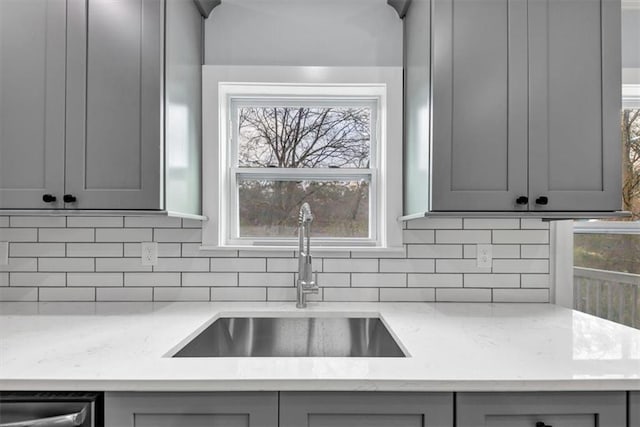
334,280
123,234
418,236
463,295
266,279
535,251
165,250
491,280
37,221
489,223
351,294
124,294
434,280
98,258
37,279
66,235
332,265
535,280
120,264
181,294
95,221
406,265
521,295
238,294
18,294
533,224
182,264
460,266
378,280
463,236
210,279
434,251
435,223
68,294
191,223
407,295
18,235
97,280
94,250
239,264
66,264
20,264
152,222
520,236
36,249
152,279
187,235
521,266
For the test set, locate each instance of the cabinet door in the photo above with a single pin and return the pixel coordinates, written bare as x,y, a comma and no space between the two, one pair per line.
479,122
114,89
32,102
634,409
191,409
353,409
588,409
575,104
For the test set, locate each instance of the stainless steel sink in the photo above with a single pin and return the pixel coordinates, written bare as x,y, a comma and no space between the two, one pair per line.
293,337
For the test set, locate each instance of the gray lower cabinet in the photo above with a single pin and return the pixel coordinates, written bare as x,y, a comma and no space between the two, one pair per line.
634,409
548,409
365,409
246,409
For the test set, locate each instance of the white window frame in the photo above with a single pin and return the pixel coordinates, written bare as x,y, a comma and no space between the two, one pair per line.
383,85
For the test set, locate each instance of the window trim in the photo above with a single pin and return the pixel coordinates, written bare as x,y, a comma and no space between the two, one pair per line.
219,82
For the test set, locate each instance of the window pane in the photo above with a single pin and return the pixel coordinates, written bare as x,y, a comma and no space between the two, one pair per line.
631,161
613,252
304,137
269,208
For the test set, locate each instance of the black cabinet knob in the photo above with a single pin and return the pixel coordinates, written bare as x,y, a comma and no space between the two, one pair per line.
68,198
542,200
541,424
48,198
522,200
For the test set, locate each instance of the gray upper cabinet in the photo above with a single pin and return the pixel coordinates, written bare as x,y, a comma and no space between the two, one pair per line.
524,101
575,409
32,108
634,409
114,66
100,104
352,409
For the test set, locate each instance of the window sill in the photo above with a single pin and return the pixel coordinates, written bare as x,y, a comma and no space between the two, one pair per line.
318,251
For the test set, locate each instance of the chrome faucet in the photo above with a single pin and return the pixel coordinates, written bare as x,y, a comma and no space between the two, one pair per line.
305,285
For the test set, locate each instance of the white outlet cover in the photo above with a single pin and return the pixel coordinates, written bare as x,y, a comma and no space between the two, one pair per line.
484,256
149,253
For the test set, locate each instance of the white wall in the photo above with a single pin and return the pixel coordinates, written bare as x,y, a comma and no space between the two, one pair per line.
304,32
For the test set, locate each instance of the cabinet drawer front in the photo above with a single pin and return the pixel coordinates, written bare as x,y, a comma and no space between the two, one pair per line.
191,420
557,409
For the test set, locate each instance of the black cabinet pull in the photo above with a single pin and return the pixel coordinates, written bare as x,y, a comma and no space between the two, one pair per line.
541,424
68,198
522,200
48,198
542,200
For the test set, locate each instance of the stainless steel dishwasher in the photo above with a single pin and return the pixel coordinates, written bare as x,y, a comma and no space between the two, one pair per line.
51,409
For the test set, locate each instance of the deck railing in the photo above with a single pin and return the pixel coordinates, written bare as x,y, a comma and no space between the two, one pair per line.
608,294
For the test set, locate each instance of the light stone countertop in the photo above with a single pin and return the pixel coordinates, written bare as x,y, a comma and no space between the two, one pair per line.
452,347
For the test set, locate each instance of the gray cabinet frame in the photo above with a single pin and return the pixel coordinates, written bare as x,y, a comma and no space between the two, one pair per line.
634,409
260,408
435,409
610,407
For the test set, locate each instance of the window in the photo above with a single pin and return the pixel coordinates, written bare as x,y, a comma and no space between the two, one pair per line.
275,137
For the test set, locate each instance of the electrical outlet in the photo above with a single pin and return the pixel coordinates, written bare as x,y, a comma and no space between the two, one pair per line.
484,256
149,253
4,253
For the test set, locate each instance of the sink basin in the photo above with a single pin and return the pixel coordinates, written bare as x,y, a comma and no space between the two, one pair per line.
293,337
